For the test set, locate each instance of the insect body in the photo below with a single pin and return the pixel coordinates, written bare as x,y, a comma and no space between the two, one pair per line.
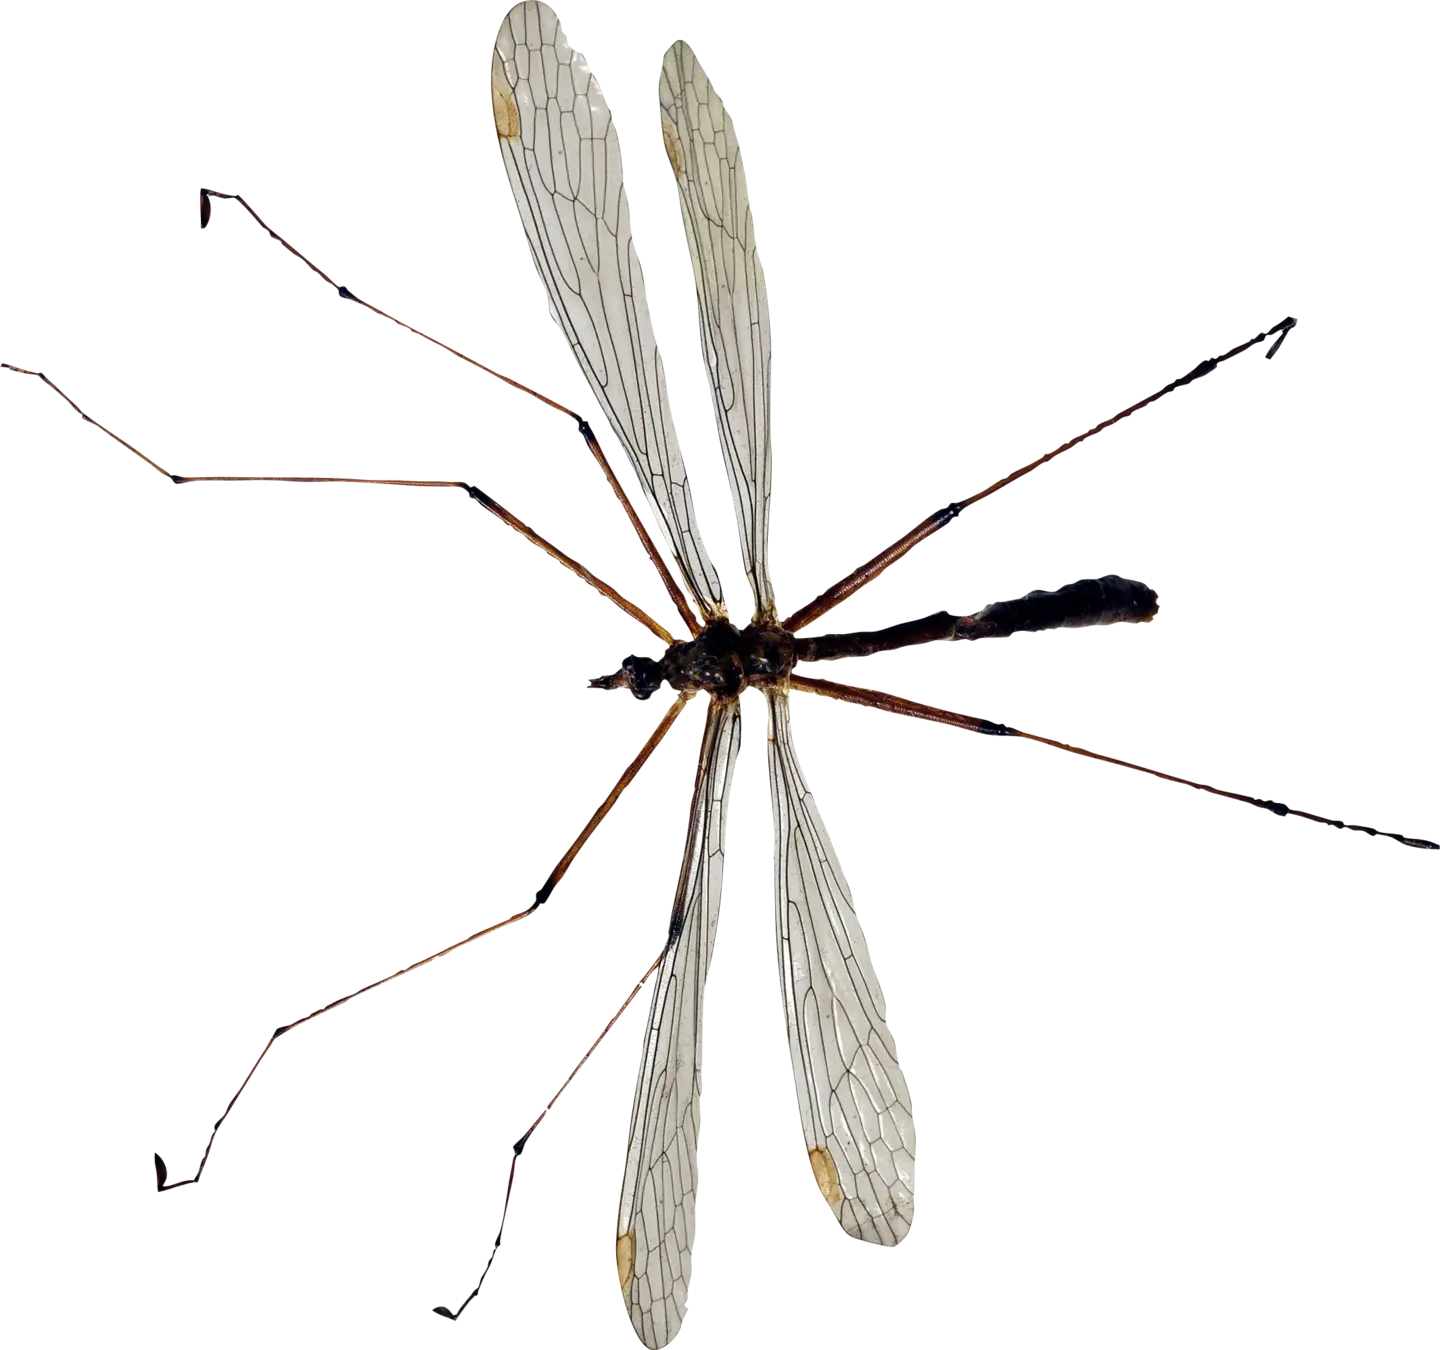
562,159
723,660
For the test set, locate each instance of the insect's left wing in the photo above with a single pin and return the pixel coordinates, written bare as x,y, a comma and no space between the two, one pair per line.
563,160
656,1227
854,1105
730,290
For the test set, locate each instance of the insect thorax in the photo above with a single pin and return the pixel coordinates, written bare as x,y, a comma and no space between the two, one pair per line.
722,661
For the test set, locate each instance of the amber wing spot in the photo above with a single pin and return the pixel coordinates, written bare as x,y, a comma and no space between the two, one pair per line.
625,1259
507,114
674,151
826,1177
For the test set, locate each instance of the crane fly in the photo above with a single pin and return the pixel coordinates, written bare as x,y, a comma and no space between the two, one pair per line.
562,160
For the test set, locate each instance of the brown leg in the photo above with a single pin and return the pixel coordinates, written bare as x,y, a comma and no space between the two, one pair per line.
677,596
161,1173
872,698
20,370
677,912
867,572
484,499
454,1311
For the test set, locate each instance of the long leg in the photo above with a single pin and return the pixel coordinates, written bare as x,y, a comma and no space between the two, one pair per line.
455,1310
484,499
868,571
872,698
672,587
161,1172
683,965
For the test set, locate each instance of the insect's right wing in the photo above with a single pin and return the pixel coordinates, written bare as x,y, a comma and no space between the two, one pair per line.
563,160
730,291
656,1227
854,1105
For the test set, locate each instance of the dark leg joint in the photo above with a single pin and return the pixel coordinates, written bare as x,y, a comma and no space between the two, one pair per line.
346,293
986,728
1283,328
1279,808
541,896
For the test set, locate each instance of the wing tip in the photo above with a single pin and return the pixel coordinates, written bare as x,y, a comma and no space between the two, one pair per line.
885,1229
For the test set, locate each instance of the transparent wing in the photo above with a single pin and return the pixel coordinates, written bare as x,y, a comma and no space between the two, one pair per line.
563,159
854,1105
730,290
656,1227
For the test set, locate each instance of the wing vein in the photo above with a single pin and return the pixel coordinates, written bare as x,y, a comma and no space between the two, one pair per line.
853,1100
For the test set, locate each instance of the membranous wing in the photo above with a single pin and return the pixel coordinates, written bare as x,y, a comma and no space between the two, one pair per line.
656,1227
854,1105
730,290
563,159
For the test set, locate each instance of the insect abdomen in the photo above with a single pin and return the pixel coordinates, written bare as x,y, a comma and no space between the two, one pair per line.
1081,604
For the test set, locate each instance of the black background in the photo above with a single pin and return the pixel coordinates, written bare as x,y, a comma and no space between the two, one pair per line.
307,734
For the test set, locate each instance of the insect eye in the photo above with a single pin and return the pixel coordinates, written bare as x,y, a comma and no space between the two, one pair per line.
644,675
